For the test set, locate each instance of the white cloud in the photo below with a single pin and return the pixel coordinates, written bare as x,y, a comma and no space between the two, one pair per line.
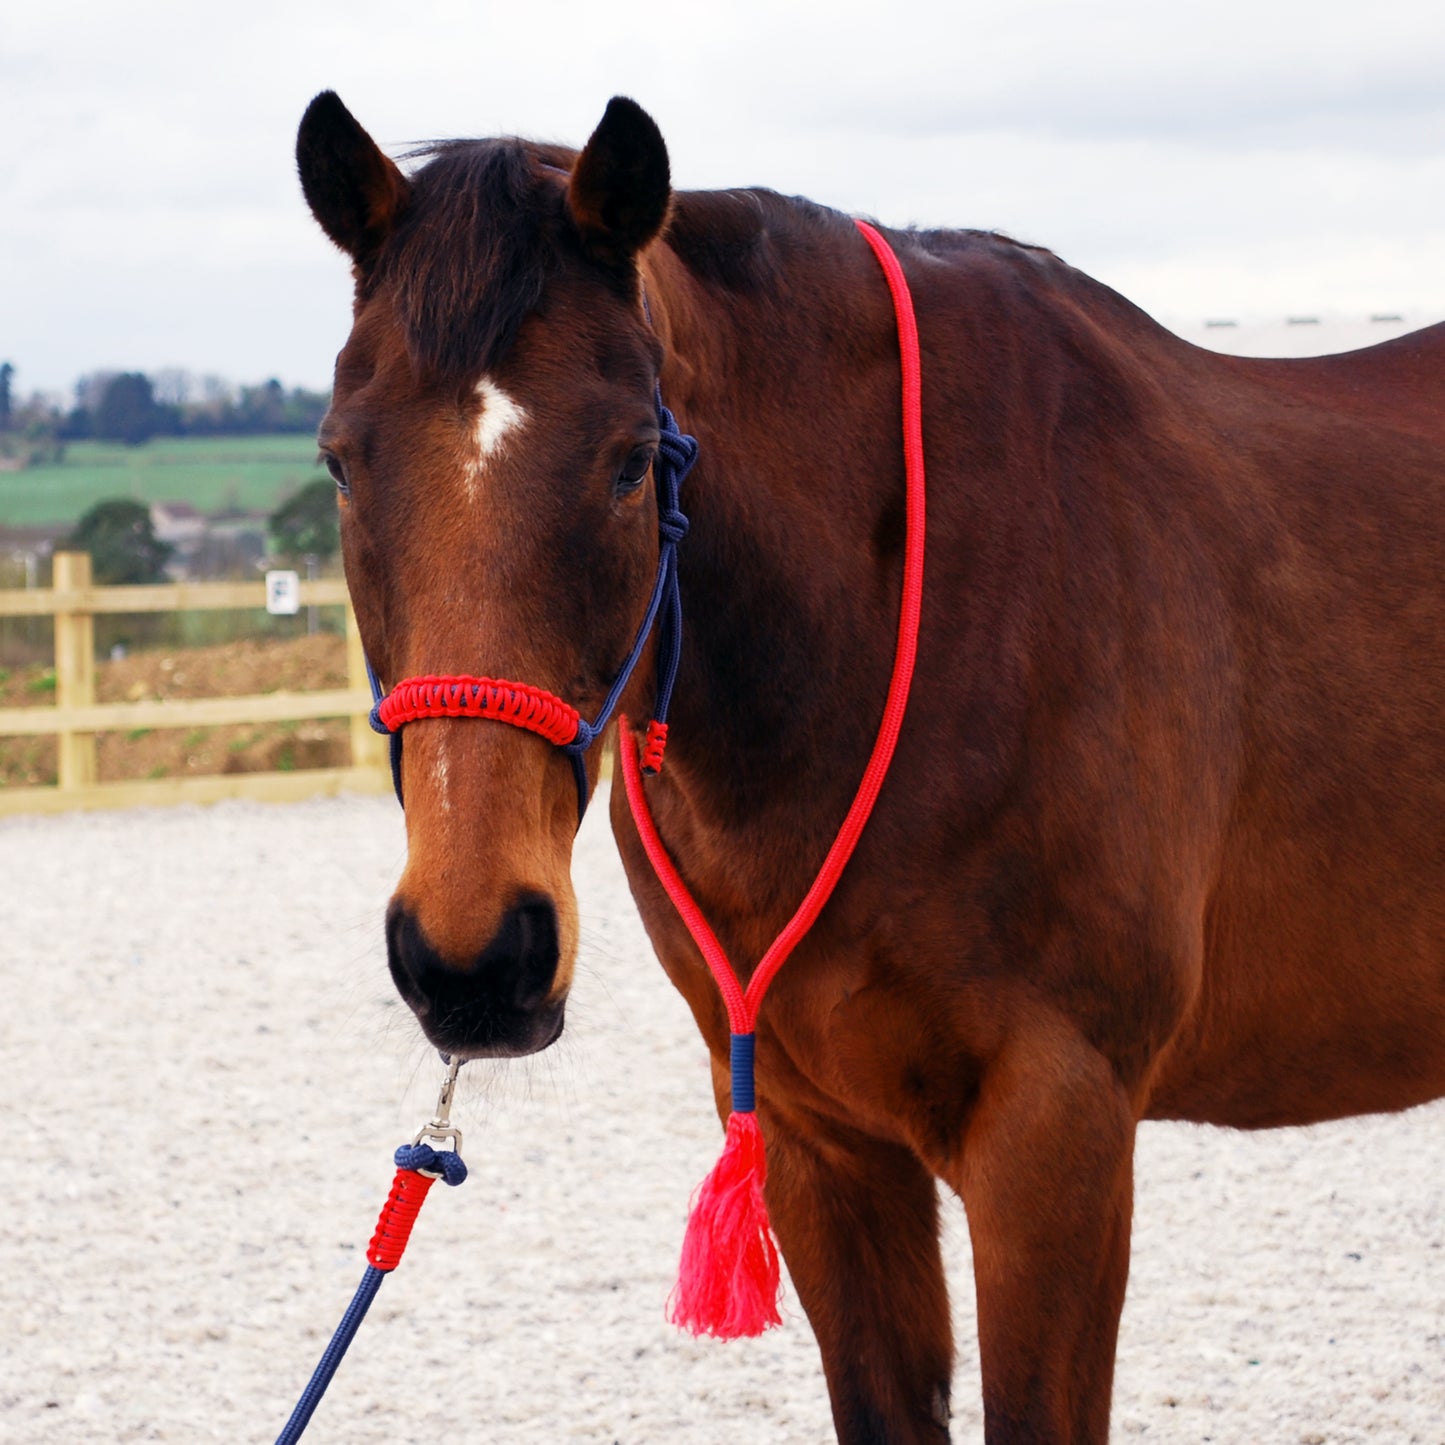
1204,158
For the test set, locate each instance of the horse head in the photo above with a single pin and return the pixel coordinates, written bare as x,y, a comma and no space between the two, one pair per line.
491,434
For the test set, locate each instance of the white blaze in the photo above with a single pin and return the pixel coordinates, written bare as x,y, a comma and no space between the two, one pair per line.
440,775
501,416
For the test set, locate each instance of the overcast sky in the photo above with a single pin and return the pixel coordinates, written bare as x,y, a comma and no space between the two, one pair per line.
1237,158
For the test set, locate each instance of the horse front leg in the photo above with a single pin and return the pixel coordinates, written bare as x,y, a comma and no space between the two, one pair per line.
857,1221
1046,1176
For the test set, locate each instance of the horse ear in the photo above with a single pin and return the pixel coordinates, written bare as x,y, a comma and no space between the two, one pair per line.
620,186
354,191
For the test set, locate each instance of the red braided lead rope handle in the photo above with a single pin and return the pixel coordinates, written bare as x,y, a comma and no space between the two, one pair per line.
517,703
743,1006
393,1228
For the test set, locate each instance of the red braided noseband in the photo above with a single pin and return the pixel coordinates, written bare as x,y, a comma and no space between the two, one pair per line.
517,703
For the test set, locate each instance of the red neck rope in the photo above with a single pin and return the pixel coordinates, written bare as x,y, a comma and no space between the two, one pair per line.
728,1281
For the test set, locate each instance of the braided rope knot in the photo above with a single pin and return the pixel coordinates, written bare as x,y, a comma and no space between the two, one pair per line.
654,747
424,1159
517,703
586,735
677,449
672,525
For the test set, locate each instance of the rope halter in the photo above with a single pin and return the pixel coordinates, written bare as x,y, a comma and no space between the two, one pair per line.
540,711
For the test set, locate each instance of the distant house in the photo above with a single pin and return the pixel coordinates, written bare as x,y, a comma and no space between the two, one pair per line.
178,523
228,543
236,541
183,527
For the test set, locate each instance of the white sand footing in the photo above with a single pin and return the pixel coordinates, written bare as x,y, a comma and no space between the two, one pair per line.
208,1072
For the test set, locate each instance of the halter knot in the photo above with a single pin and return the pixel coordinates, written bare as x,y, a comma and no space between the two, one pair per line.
446,1164
586,736
677,448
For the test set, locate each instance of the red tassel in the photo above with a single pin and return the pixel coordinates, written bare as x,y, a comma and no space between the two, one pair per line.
727,1284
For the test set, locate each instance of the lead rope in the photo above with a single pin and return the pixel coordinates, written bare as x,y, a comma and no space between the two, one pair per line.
728,1278
418,1167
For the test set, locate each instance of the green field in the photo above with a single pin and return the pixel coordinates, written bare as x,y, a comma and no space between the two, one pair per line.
256,473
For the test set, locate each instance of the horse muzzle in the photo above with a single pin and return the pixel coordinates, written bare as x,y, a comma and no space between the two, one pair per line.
500,1003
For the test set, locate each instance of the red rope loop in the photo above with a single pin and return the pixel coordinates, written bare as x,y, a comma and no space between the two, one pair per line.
517,703
727,1285
398,1214
743,1004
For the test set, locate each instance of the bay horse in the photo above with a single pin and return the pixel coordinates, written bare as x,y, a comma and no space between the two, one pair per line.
1164,835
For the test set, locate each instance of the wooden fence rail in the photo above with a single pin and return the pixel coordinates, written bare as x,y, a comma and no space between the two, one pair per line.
76,717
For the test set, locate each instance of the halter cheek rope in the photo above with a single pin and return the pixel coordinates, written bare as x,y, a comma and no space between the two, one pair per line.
728,1281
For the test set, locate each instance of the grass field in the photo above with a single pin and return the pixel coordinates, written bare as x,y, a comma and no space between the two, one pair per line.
209,472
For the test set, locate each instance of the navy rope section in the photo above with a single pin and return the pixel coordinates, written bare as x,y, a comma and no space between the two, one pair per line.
742,1050
676,453
410,1156
345,1332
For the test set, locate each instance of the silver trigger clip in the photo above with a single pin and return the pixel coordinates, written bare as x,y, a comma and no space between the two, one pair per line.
441,1130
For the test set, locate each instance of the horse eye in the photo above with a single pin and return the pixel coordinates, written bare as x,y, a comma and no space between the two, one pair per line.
333,465
634,469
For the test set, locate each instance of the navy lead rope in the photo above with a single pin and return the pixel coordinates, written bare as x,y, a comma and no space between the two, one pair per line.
417,1158
676,453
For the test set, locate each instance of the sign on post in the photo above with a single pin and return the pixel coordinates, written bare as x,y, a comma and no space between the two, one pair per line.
283,593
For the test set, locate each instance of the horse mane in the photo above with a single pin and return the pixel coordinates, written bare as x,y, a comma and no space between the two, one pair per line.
471,253
731,239
736,239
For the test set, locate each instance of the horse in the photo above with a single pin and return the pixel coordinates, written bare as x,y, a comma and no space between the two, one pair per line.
1164,832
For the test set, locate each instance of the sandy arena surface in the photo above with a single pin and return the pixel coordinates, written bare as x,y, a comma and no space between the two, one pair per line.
208,1073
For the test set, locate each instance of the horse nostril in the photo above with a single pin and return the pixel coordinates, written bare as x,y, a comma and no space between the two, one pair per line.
416,967
523,955
504,983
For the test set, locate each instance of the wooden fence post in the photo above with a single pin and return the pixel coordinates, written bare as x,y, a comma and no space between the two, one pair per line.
74,669
368,748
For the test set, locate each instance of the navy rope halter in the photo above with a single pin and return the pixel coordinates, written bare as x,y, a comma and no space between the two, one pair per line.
540,711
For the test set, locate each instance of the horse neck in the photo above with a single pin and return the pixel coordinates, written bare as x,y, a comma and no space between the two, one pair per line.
786,369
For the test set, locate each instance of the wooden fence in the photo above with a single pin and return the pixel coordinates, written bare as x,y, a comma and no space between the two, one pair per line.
74,602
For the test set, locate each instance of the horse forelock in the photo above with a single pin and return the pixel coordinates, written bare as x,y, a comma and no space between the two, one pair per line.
471,254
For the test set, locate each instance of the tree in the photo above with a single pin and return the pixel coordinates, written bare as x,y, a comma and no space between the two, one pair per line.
6,372
263,408
33,430
122,543
304,409
127,411
306,522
